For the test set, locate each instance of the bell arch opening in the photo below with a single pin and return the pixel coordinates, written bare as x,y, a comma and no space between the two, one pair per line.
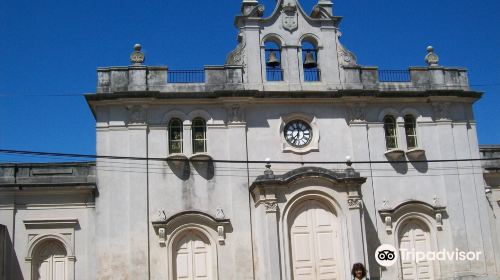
273,59
310,63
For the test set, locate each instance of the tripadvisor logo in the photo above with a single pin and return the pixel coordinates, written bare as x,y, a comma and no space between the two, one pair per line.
386,255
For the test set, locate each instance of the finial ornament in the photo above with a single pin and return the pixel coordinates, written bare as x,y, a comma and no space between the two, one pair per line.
220,213
431,58
137,57
268,172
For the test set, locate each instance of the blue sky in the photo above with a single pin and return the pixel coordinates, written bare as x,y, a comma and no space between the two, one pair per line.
53,47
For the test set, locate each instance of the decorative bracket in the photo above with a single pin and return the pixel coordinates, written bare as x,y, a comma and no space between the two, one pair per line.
221,235
162,235
388,224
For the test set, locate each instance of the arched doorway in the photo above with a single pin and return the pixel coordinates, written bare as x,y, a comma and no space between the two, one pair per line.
50,261
414,235
314,241
193,257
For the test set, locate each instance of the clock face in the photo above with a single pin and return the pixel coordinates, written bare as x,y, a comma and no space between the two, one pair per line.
298,133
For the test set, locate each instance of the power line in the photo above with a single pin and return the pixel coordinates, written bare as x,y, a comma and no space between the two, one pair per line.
88,156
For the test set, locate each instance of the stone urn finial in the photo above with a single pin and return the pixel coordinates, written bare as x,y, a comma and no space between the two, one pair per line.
137,57
431,58
268,172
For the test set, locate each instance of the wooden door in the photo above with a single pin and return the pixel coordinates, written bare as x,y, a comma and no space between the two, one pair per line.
314,242
49,262
415,236
193,257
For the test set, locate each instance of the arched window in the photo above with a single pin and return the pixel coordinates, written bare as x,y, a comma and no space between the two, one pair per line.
175,136
192,256
391,141
414,235
199,130
310,61
49,261
274,71
411,132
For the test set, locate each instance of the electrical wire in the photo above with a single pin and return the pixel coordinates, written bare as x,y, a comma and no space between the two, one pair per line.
88,156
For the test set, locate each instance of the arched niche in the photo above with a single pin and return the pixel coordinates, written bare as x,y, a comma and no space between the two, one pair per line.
192,226
50,257
58,231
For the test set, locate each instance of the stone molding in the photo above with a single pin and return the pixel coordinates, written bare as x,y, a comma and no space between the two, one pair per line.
313,146
165,226
389,215
59,230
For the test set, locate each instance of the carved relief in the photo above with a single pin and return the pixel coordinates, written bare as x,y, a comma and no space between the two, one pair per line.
320,12
271,206
253,11
441,111
161,216
357,112
235,114
355,203
137,115
237,56
290,16
104,80
219,214
346,57
436,201
385,204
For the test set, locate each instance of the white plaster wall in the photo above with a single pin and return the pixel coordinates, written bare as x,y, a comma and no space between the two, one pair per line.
122,222
49,206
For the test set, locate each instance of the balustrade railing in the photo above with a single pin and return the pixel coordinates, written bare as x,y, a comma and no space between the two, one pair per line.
274,74
312,75
186,76
394,76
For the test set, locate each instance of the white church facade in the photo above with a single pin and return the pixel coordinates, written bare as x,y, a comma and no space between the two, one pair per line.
291,161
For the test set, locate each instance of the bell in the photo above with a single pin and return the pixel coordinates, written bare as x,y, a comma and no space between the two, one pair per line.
310,62
272,60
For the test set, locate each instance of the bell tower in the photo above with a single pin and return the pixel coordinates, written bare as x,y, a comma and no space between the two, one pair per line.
290,49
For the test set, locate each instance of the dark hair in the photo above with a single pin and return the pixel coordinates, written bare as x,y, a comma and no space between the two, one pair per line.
356,267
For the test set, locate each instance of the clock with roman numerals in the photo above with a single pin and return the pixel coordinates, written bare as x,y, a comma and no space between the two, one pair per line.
298,133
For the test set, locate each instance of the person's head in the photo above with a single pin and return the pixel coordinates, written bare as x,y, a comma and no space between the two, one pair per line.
358,271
